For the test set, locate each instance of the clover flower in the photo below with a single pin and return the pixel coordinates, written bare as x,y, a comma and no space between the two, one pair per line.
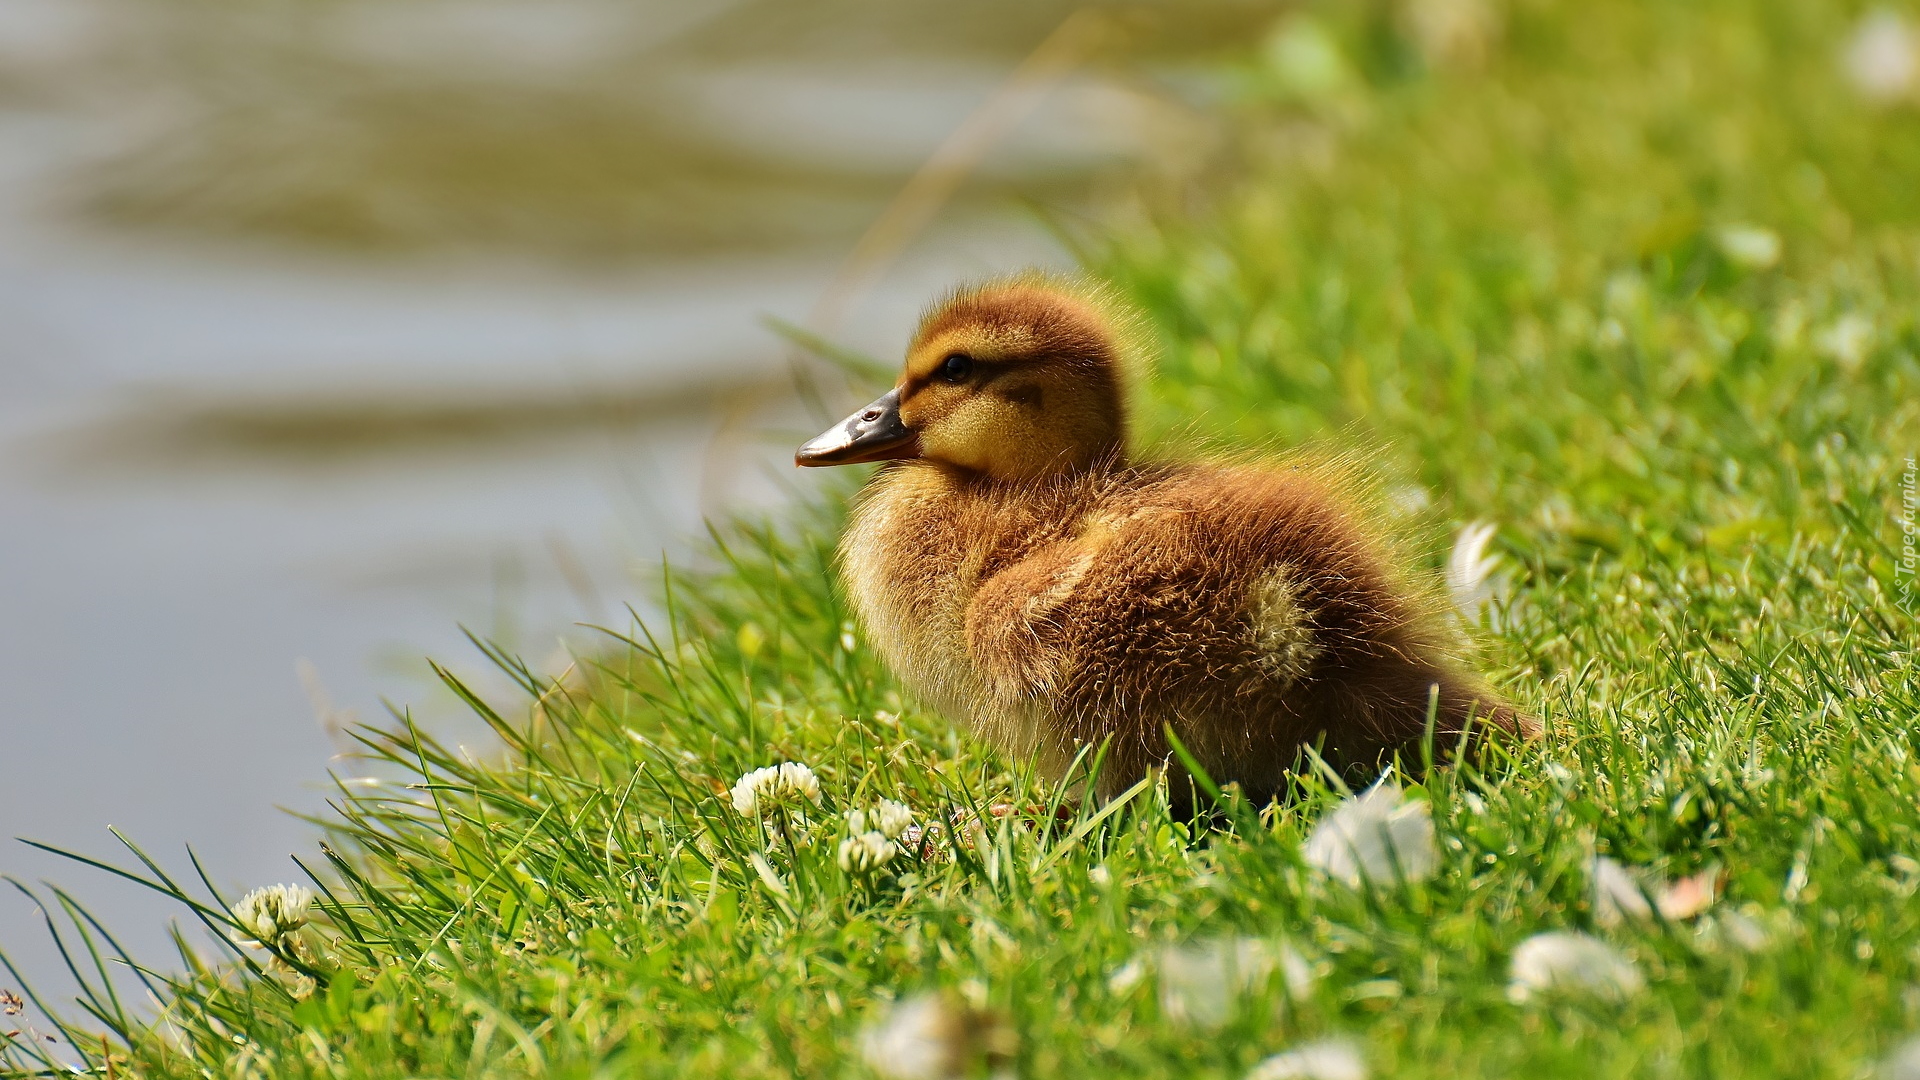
888,817
892,818
865,852
1882,59
1566,962
763,790
934,1037
1334,1059
1201,981
1846,340
1617,897
1452,32
1376,836
271,916
1750,247
1904,1062
912,1041
1740,931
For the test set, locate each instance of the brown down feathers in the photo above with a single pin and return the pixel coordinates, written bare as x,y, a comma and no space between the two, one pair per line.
1027,580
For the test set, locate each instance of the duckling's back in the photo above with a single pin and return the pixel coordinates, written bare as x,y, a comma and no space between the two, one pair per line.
1243,607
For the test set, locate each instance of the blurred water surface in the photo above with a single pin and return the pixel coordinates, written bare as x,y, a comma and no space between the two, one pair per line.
334,326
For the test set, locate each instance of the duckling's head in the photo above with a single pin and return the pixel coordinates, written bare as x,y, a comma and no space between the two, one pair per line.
1016,380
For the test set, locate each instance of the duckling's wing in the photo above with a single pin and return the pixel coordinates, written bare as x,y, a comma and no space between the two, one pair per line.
1246,608
1014,636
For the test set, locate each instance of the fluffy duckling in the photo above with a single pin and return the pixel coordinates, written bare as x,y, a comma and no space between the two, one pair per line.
1023,576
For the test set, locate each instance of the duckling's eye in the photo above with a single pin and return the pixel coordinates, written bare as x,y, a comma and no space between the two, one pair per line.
956,368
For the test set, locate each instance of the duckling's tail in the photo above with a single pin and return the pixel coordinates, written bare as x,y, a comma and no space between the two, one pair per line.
1467,713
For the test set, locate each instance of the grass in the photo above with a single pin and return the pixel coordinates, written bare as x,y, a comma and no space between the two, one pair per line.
1514,284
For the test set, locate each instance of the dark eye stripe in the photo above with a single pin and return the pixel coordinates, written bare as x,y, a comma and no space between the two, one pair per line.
984,372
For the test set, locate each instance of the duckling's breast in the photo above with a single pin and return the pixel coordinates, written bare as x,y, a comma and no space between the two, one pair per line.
921,540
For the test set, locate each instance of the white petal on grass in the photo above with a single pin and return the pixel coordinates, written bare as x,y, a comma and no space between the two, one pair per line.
1452,31
1334,1059
1752,247
915,1040
1903,1063
1846,340
1306,58
270,916
863,853
786,784
1737,930
1411,499
1470,569
1126,977
1377,836
1563,962
1200,982
1620,894
1617,895
936,1037
1689,896
1882,58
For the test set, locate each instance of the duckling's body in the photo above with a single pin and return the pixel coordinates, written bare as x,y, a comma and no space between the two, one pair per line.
1059,596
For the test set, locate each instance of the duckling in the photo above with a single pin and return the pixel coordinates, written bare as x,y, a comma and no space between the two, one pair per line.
1025,577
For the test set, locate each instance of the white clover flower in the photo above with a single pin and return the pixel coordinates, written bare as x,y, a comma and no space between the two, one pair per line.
1200,981
935,1037
1847,340
1452,31
1566,962
1410,500
1470,569
1617,897
1751,247
1126,977
915,1040
784,784
1737,930
892,818
1882,59
270,916
1376,836
1306,58
866,851
1334,1059
1904,1062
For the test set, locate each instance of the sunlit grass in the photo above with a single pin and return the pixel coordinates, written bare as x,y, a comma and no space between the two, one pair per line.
1514,286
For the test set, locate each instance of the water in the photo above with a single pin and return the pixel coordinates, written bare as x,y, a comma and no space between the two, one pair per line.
255,468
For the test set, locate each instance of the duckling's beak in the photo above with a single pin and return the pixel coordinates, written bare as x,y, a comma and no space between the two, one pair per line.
875,433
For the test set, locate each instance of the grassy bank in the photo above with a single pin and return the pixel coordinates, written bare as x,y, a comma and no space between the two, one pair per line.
1636,283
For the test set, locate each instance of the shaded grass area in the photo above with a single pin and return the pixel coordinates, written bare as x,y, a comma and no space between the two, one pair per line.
1526,279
